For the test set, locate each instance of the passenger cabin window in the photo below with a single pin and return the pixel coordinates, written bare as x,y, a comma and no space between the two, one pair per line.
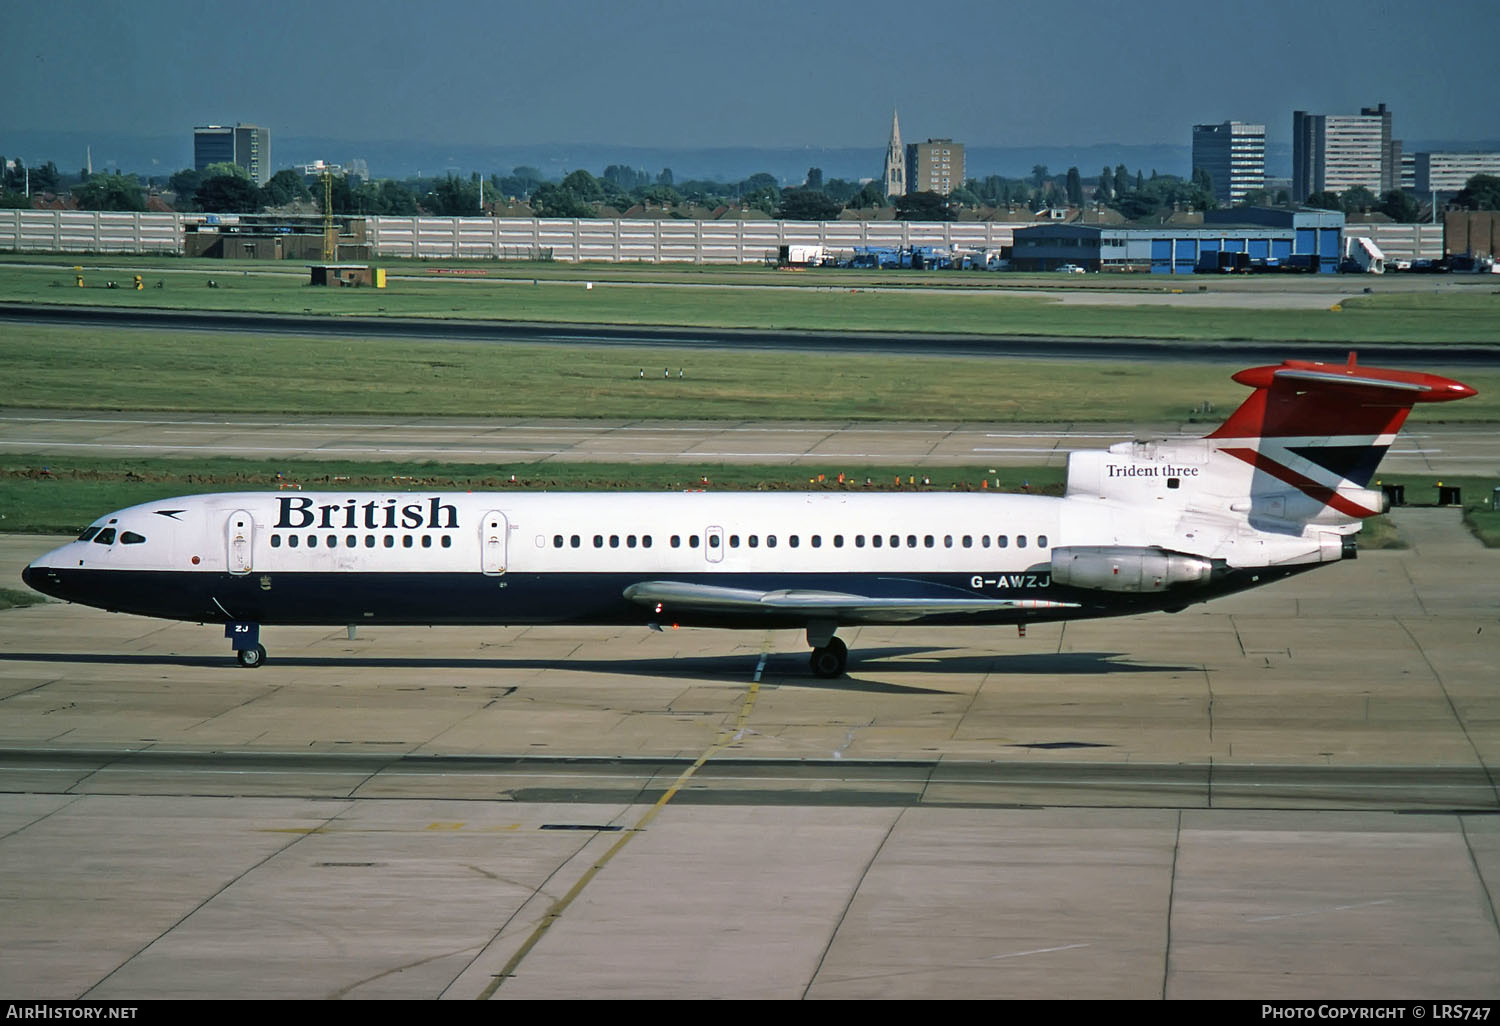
1041,541
1020,541
1001,541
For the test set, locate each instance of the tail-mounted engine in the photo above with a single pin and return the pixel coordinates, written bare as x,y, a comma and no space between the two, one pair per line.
1125,568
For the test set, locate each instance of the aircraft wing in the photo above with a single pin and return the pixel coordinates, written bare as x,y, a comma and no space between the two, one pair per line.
842,606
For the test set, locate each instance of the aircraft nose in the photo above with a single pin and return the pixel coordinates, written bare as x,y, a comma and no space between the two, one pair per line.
26,577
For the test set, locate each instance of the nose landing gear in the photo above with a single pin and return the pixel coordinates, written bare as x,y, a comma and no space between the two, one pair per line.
245,637
250,658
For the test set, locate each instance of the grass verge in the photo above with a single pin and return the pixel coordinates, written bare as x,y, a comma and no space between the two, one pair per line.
886,304
69,494
53,367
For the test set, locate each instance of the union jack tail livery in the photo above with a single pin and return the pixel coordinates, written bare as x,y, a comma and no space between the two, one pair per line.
1321,429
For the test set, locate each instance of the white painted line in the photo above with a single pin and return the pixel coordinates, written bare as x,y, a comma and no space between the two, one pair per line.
1036,951
1318,911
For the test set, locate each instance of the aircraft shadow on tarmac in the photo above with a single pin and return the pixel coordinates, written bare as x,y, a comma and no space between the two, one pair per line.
781,669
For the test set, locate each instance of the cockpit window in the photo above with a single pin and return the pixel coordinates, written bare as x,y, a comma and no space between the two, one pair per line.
105,537
131,538
88,532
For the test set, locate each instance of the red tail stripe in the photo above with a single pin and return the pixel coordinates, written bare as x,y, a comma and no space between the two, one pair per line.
1306,485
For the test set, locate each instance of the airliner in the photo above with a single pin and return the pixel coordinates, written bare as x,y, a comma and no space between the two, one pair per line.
1281,487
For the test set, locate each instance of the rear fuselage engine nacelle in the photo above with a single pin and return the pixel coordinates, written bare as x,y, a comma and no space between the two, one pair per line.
1126,568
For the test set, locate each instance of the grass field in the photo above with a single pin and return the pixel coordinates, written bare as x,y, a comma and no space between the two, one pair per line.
135,369
62,495
817,301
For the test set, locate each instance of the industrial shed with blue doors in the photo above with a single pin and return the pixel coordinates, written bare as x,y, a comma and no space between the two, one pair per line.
1242,239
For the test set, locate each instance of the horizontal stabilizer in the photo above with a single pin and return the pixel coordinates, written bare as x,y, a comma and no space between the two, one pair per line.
1341,404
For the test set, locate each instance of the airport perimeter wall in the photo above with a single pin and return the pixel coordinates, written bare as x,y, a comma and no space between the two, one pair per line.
89,231
651,241
572,240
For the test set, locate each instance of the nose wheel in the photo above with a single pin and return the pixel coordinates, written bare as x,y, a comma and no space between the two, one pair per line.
250,658
245,637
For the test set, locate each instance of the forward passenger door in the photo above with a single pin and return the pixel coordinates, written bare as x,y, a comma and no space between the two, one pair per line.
492,538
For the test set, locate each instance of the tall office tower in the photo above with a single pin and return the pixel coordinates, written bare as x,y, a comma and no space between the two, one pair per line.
1234,155
895,161
936,165
1336,152
249,146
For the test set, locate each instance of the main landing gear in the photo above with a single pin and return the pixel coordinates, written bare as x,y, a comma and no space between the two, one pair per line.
830,656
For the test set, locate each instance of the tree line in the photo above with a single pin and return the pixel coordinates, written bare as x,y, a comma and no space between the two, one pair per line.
228,188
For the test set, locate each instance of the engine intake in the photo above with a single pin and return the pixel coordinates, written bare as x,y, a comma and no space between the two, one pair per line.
1127,568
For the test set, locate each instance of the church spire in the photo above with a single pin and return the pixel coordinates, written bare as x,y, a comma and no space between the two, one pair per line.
895,161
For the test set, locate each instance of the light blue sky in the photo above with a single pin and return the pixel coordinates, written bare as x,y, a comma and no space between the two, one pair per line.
673,73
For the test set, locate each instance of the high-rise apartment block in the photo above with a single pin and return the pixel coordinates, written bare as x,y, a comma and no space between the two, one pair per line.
249,146
936,165
1448,173
1234,155
1336,152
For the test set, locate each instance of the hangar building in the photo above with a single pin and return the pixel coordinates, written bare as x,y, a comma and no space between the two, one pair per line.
1306,240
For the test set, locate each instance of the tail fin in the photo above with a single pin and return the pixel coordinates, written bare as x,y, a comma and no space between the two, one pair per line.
1324,427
